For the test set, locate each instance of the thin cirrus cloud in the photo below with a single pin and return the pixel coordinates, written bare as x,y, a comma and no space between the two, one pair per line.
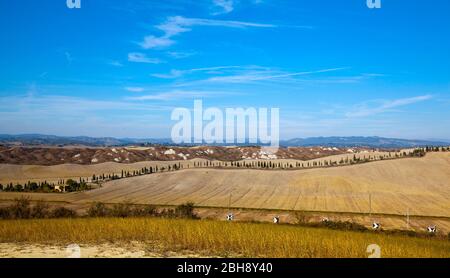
181,94
115,64
136,57
135,89
60,104
239,74
260,76
223,6
174,73
254,73
156,42
176,25
364,110
180,54
69,58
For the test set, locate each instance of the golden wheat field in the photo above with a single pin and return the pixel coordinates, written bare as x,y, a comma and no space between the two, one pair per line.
216,238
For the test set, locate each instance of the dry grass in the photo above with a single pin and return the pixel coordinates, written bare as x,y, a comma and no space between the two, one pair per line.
219,238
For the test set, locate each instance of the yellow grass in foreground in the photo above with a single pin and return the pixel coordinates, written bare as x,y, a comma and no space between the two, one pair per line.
217,238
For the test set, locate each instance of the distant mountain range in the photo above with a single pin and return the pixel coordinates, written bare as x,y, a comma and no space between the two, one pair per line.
53,140
354,141
359,141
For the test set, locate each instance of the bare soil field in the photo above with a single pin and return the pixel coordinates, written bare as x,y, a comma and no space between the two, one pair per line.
132,249
17,173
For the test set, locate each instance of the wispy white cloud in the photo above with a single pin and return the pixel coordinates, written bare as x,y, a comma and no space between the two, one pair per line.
178,73
68,56
173,74
265,75
252,74
136,57
365,109
135,89
176,25
156,42
115,64
223,6
182,94
66,105
180,54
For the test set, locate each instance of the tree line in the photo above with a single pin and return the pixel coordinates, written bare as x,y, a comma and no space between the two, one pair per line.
69,185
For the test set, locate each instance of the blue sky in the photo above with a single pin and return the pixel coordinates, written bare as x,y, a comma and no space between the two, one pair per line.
118,68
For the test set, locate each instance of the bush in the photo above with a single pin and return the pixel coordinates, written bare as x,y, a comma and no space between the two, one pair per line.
167,213
186,211
122,210
98,210
337,225
40,210
4,213
346,226
302,217
63,212
147,210
20,209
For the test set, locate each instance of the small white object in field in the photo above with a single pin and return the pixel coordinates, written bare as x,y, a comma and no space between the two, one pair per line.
230,217
169,152
276,220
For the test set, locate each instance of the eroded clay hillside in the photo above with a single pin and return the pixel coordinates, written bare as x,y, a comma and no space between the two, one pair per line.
84,155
